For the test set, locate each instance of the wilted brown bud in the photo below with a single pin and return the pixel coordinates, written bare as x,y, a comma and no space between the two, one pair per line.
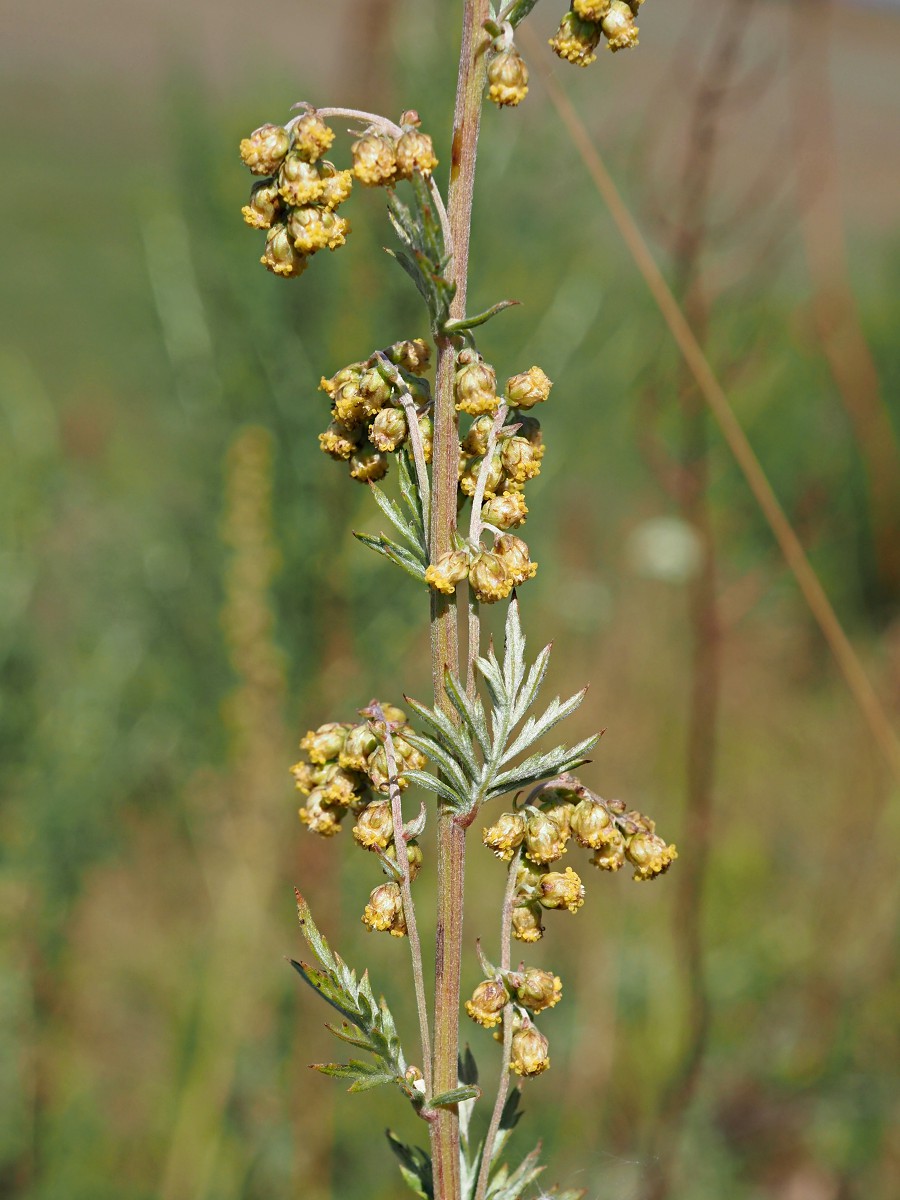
489,578
375,825
618,26
505,512
506,835
384,912
324,743
311,136
576,40
507,78
488,1002
513,553
592,824
368,464
536,989
475,384
649,855
264,207
530,1052
528,388
611,855
280,257
339,441
389,430
265,148
449,570
374,160
558,890
526,923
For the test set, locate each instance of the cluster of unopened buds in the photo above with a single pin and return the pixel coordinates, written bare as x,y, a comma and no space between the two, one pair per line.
588,22
297,199
346,771
495,464
531,838
372,403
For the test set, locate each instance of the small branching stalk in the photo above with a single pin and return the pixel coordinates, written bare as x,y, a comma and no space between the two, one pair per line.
465,446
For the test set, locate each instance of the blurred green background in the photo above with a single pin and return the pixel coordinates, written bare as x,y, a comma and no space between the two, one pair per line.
180,597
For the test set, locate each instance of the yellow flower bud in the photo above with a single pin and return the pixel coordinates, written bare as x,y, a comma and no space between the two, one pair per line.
505,512
475,384
475,443
527,389
319,816
340,441
545,840
526,923
413,355
342,788
324,743
530,1052
415,153
488,1002
314,228
311,136
507,78
590,10
280,257
558,890
521,461
348,374
449,570
611,855
298,180
506,836
537,989
306,776
489,578
576,40
375,825
468,480
264,207
513,553
389,430
592,824
350,406
649,855
384,912
374,160
618,26
265,148
368,464
336,185
359,744
426,429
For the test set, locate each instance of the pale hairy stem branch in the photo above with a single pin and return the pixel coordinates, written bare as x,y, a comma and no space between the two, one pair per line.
385,126
476,528
445,1147
509,898
415,434
409,911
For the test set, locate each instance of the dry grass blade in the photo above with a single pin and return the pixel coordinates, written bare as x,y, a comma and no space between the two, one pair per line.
847,659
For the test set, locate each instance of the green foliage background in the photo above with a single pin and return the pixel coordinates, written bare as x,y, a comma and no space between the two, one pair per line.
149,1047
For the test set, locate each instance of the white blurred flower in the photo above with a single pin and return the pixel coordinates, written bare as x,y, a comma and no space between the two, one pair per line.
665,548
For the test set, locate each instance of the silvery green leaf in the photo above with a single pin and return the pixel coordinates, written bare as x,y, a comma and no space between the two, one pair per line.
536,727
403,558
471,711
541,766
451,736
513,651
455,1096
413,270
532,685
511,1187
452,770
452,327
517,11
409,489
401,523
415,1167
432,784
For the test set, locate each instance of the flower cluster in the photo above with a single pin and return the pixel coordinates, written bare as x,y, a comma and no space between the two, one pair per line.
368,418
380,160
588,21
528,990
507,77
539,834
346,771
505,462
297,201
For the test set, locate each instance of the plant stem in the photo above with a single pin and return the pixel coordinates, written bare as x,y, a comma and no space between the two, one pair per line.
484,1172
409,911
444,631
